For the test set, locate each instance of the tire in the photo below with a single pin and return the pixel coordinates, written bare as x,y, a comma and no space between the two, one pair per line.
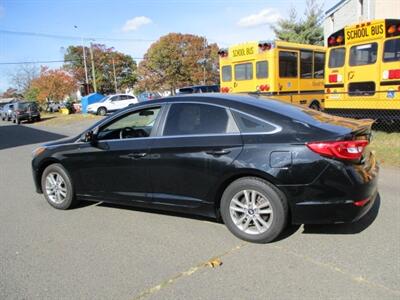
63,196
102,111
14,120
267,198
18,121
315,105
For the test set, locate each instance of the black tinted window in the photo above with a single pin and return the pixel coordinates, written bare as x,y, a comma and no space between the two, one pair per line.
226,73
306,61
188,119
391,51
363,54
244,71
262,69
336,57
249,124
319,64
287,64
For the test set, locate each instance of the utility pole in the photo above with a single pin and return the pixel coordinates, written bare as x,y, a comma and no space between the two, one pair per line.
93,70
205,61
84,63
115,77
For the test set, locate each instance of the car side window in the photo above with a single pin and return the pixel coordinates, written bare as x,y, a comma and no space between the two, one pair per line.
137,124
250,124
196,118
115,98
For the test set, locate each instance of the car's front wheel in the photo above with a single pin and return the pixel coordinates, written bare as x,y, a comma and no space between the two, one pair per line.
57,187
254,210
102,111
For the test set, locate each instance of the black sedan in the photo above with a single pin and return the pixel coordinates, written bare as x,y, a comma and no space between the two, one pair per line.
257,163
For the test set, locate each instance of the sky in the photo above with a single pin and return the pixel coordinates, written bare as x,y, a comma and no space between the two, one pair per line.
130,26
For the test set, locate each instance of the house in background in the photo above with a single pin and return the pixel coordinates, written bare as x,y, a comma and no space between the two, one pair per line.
347,12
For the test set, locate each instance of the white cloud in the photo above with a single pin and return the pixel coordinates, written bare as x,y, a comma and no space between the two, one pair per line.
135,23
266,16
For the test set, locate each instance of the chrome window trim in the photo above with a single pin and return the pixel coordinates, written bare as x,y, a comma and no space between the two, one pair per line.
167,107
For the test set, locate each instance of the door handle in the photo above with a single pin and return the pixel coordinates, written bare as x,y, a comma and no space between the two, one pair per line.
137,155
218,152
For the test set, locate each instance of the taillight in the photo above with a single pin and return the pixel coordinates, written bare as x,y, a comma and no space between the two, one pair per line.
333,78
225,90
339,149
394,74
264,88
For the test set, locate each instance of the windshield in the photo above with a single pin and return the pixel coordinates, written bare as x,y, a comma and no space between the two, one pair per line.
105,98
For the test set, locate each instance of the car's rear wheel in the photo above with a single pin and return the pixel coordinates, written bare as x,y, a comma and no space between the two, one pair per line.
57,187
102,111
254,210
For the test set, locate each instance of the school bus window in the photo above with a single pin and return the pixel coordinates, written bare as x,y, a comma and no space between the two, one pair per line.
287,64
336,57
363,54
306,61
391,50
262,69
226,73
244,71
319,64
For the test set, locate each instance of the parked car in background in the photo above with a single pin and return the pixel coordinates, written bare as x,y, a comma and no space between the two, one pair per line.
199,89
111,103
6,112
25,111
53,106
257,162
145,96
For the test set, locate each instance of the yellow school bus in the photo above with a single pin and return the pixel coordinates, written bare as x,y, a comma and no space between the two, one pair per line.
286,71
362,74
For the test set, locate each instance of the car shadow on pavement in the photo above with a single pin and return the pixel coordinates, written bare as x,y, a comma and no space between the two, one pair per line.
16,135
347,228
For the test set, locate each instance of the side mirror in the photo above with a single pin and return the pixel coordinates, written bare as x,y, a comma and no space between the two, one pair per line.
90,137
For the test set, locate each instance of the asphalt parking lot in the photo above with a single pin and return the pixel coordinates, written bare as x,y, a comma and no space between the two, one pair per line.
105,251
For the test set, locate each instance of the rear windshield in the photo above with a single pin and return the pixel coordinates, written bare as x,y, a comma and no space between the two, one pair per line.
336,57
363,54
391,50
186,91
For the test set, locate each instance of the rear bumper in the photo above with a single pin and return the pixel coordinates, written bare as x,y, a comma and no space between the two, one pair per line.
332,213
341,194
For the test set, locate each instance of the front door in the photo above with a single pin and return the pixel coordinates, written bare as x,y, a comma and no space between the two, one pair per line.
115,166
198,146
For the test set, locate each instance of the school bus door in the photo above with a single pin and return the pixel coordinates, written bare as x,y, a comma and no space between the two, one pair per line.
287,72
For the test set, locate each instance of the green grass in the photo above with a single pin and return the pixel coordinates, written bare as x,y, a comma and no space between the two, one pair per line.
58,119
387,148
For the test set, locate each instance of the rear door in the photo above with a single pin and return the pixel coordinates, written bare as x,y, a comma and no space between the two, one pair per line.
243,75
362,74
199,142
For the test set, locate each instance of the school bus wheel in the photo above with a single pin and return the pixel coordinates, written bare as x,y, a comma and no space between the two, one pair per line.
315,105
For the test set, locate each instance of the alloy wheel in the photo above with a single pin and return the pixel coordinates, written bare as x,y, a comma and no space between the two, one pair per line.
251,212
56,189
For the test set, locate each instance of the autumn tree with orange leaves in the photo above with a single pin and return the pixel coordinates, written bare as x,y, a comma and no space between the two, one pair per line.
177,60
53,84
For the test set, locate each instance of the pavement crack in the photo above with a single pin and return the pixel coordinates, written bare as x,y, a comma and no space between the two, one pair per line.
333,268
205,264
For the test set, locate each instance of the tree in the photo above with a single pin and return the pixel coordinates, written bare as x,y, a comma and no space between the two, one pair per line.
308,31
53,85
105,59
11,93
23,76
176,60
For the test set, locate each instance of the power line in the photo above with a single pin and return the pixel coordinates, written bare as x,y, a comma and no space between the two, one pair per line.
46,61
71,37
